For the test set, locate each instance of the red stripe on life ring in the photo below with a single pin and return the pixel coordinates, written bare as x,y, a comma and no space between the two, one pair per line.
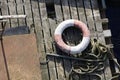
72,49
64,47
83,27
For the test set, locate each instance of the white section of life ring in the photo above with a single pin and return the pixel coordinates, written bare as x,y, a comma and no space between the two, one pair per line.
72,49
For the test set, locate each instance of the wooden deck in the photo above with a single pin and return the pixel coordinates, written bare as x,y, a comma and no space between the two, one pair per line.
44,16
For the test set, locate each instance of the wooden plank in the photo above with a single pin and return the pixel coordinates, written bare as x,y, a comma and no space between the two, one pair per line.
68,33
65,7
12,9
51,22
67,36
20,60
47,38
52,68
83,18
51,64
12,16
107,33
81,11
60,16
45,26
74,15
92,27
27,7
76,33
67,66
36,14
5,11
89,17
94,5
38,27
58,11
52,25
20,11
60,69
40,45
3,72
96,16
73,9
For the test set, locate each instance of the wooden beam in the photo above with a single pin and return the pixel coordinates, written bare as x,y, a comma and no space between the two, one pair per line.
12,16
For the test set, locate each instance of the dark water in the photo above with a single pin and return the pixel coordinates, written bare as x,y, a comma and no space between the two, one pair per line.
113,14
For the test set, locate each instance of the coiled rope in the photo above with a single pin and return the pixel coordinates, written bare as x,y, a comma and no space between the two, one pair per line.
95,51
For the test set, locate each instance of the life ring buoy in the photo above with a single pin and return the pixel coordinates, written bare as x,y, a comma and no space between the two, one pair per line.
72,49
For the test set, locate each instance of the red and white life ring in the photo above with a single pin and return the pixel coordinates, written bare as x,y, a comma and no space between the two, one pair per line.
72,49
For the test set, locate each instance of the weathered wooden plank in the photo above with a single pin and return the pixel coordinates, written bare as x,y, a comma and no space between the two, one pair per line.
45,26
3,73
89,17
96,16
52,68
60,17
101,38
58,11
92,27
60,69
74,15
5,11
81,11
27,7
68,36
67,66
73,9
107,33
40,45
65,7
46,34
12,16
20,11
36,15
96,12
37,26
68,33
12,10
51,21
52,25
51,64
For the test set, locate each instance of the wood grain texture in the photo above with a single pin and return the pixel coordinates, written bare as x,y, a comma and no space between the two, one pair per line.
12,11
20,11
5,11
60,16
89,17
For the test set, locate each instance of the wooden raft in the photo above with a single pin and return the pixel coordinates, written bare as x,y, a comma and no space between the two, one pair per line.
44,16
